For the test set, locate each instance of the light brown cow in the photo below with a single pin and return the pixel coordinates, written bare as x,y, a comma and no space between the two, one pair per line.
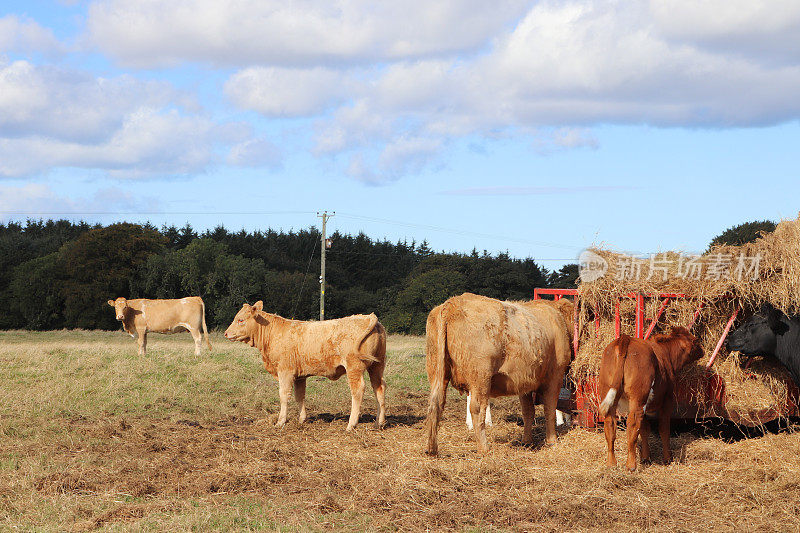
564,306
491,348
141,316
292,350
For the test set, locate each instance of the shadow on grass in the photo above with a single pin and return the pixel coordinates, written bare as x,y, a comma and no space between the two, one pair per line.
391,420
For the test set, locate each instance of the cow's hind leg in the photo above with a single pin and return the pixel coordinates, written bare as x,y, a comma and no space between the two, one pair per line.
142,340
477,408
526,402
436,404
375,372
285,380
300,396
356,378
635,418
644,437
610,430
198,339
488,414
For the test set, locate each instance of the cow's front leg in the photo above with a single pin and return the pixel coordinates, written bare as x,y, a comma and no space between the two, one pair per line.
526,402
356,379
285,380
300,396
664,415
142,340
550,402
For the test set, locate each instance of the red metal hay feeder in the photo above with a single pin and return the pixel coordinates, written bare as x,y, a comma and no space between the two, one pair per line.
712,402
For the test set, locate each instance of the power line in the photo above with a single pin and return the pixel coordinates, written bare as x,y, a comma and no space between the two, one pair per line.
153,213
460,232
342,252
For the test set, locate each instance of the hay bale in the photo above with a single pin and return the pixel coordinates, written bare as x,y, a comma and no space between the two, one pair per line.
764,271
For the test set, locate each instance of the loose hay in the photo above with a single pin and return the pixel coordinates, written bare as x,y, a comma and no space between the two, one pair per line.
760,389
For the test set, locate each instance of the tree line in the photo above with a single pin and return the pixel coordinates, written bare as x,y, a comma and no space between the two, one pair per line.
59,274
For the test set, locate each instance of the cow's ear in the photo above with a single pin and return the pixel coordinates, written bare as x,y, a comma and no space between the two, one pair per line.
774,319
262,318
258,306
111,303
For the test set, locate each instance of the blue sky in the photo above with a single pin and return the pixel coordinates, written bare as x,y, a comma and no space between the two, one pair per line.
537,128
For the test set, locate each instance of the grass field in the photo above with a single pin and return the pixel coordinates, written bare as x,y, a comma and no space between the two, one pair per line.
93,436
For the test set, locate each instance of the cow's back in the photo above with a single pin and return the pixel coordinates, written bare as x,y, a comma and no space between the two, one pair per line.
319,348
487,337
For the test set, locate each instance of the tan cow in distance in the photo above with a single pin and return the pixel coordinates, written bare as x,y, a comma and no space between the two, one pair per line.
566,307
292,350
142,316
491,348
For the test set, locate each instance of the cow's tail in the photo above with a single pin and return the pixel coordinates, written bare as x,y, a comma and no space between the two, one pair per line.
370,358
616,379
205,328
437,353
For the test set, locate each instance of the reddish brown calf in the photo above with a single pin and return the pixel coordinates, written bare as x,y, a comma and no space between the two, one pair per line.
638,376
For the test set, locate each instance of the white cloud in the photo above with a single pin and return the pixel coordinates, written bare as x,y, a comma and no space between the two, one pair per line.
55,117
70,105
301,33
26,36
390,85
255,153
148,143
564,67
547,142
287,92
767,31
36,199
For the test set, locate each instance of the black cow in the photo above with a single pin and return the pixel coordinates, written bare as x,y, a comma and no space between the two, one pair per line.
770,333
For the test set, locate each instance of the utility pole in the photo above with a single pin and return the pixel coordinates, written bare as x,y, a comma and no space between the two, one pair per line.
324,216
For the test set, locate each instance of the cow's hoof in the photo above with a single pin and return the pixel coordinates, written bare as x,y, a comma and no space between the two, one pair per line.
280,424
646,462
434,451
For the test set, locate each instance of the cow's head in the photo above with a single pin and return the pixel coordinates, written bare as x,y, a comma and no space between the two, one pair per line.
120,306
758,335
690,346
244,323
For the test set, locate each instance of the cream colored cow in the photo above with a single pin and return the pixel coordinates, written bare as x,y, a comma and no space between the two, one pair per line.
141,316
292,350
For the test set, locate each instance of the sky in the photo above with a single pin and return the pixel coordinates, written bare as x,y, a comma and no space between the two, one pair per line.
533,128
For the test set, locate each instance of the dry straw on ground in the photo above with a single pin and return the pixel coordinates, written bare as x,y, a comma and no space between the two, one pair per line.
764,271
94,437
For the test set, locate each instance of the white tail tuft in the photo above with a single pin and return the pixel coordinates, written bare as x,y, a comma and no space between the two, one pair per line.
608,401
